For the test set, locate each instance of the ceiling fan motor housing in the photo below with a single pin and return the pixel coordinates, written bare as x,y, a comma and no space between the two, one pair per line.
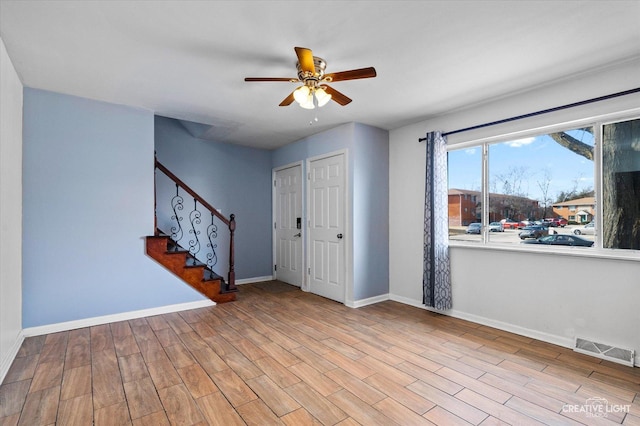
308,78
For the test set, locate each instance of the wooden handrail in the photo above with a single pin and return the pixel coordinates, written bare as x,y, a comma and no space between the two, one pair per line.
191,192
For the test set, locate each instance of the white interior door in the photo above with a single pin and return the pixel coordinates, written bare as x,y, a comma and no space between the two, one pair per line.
288,225
327,227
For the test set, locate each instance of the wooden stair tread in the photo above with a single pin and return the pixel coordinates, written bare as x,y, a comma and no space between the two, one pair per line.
192,271
192,262
209,275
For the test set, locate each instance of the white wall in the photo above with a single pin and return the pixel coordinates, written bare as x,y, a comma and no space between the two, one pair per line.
595,298
10,212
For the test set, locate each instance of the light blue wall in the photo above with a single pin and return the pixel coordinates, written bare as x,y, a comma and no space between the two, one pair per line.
87,204
371,211
331,140
234,179
368,152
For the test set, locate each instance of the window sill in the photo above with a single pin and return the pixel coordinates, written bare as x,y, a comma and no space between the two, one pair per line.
614,254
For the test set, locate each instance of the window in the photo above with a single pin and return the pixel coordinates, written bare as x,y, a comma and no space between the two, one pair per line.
465,210
561,184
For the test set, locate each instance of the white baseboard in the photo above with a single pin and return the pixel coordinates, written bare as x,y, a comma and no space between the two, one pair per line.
534,334
406,301
89,322
124,316
5,363
369,301
254,280
527,332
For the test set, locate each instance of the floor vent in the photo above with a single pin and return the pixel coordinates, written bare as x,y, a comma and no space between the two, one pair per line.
600,350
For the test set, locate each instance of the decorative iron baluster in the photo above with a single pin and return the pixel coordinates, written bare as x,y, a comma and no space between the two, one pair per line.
176,205
212,233
194,219
177,231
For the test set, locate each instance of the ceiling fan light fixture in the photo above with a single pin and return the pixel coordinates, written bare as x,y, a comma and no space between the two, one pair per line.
304,96
308,103
301,94
322,97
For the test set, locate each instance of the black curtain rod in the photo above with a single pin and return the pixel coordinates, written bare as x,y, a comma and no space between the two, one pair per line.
544,111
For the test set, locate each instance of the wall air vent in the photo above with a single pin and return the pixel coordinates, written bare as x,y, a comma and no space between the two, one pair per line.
600,350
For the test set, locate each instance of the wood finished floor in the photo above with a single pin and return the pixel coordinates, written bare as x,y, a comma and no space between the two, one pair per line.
282,356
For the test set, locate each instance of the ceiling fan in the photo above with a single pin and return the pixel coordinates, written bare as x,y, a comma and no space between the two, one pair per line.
314,90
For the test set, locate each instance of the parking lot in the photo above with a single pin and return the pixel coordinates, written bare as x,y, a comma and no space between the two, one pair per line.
457,233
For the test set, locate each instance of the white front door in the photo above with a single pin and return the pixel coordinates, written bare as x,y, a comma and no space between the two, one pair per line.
327,227
288,225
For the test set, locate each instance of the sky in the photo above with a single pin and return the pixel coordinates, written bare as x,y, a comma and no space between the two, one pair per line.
526,163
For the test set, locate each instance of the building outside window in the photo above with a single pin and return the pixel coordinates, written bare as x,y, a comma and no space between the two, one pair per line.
582,210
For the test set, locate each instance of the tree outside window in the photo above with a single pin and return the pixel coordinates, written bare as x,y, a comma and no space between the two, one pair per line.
621,185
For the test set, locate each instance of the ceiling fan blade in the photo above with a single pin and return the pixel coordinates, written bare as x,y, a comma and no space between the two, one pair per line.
270,79
351,74
287,101
305,57
336,96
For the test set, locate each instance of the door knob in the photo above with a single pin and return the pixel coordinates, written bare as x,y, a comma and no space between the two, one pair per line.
299,234
339,236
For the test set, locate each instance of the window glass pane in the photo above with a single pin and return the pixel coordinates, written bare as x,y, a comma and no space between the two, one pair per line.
465,185
541,185
621,185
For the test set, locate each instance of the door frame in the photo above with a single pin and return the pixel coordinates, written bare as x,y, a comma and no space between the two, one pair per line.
274,202
348,238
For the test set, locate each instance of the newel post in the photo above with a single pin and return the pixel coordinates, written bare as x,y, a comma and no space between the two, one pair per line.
155,197
231,286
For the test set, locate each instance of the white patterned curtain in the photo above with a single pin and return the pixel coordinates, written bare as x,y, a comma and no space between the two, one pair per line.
436,279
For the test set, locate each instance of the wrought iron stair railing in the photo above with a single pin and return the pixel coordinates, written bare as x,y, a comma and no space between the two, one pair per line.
173,222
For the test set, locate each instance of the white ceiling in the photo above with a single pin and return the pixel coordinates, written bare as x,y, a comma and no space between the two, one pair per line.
188,59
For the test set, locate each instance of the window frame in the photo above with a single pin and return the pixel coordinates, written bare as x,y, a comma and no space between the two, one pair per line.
597,250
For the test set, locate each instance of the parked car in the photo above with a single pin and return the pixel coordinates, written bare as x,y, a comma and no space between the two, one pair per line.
556,222
588,229
562,222
496,227
533,231
512,224
474,228
561,240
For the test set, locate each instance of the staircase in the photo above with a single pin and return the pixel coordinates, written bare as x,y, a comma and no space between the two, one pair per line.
195,264
193,272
